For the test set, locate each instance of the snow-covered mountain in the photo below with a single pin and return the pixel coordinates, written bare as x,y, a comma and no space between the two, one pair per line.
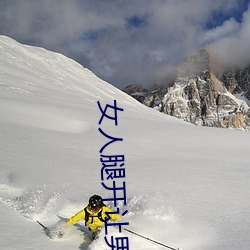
187,186
201,95
237,81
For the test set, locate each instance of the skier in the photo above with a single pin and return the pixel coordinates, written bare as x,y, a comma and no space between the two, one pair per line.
94,215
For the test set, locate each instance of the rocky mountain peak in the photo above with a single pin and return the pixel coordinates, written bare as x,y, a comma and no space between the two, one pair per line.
200,96
196,64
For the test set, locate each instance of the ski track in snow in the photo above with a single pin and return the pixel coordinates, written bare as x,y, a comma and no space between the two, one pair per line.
147,216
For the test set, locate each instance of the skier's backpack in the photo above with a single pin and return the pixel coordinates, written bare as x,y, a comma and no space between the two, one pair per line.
99,216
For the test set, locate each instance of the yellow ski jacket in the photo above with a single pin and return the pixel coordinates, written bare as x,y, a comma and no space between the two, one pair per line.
94,223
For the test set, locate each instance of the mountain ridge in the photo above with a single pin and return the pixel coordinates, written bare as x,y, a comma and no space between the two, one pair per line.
201,95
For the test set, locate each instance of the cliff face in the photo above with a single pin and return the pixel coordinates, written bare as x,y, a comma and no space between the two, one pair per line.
237,81
201,97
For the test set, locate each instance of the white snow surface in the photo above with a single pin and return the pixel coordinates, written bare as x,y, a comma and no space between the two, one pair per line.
187,186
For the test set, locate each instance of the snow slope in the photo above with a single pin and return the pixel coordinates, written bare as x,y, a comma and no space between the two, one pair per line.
187,186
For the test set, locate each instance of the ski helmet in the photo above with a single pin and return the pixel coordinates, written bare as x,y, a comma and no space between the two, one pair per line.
95,202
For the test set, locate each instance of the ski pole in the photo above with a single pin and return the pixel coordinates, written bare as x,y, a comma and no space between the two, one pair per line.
151,240
45,228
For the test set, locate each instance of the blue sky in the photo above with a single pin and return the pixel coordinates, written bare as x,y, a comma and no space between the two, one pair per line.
218,17
131,41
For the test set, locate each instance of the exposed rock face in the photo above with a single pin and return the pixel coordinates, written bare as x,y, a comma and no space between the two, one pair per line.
237,81
199,97
137,91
